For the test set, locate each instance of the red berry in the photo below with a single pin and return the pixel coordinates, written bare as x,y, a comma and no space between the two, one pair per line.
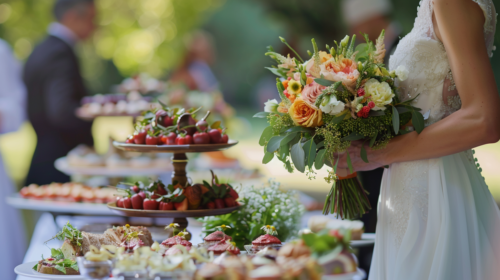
180,140
127,203
137,201
366,109
151,140
229,201
135,189
142,194
224,139
211,205
201,138
130,140
167,121
171,138
219,203
233,193
215,136
150,204
119,203
360,113
166,206
361,92
371,104
140,137
161,190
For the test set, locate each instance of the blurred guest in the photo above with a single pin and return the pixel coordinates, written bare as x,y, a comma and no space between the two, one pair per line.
12,115
55,88
195,70
371,17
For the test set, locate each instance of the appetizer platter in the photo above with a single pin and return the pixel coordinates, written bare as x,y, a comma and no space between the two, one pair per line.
128,252
358,237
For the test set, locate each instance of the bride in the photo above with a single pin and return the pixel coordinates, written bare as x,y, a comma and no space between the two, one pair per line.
437,218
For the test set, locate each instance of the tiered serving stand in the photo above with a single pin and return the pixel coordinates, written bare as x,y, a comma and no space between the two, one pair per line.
179,161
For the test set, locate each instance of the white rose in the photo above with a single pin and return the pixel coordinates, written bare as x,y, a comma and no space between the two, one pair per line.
271,106
380,93
333,107
402,72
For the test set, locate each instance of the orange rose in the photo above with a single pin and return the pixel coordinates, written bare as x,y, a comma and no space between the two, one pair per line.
304,114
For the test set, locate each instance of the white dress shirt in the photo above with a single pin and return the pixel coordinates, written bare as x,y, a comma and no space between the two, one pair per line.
62,32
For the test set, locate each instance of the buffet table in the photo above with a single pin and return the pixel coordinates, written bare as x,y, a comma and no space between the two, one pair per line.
46,229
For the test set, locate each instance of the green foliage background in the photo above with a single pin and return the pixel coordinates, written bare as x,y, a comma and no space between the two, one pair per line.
150,36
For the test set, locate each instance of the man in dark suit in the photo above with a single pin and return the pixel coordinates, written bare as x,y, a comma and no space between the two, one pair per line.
55,88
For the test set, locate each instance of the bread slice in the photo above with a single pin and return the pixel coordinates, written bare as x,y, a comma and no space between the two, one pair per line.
45,268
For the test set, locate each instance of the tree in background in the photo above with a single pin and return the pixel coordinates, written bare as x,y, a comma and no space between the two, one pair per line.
136,36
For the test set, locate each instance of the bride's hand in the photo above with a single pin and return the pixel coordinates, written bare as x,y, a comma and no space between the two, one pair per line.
376,158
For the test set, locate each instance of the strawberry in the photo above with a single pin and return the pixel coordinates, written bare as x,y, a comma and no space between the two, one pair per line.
211,205
127,203
137,201
233,193
119,203
219,203
135,189
229,201
166,206
142,194
150,204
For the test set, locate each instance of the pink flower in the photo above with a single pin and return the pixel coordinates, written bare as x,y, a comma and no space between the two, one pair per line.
311,92
371,104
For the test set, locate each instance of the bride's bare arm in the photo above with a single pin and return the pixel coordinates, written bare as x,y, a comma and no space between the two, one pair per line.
459,25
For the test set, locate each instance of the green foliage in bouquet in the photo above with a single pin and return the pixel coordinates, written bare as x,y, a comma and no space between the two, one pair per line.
334,98
260,207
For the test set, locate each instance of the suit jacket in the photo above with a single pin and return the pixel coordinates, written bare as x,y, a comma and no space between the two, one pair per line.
55,88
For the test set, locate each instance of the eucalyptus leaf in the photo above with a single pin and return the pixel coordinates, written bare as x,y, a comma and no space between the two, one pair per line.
283,151
353,137
395,119
402,110
320,145
288,138
363,154
418,121
320,159
300,129
310,151
261,115
266,135
324,82
267,157
349,163
276,72
338,119
372,141
298,157
274,143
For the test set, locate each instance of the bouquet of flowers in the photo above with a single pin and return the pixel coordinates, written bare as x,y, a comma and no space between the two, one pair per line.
334,98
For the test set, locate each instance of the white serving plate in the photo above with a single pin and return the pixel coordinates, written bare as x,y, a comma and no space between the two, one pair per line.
16,201
62,165
358,275
26,269
366,239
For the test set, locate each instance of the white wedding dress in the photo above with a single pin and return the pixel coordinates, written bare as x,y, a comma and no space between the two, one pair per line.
437,218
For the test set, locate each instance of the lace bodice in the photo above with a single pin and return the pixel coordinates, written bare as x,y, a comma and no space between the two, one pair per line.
425,58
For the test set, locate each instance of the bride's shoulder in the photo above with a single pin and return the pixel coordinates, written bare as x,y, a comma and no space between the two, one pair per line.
457,16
